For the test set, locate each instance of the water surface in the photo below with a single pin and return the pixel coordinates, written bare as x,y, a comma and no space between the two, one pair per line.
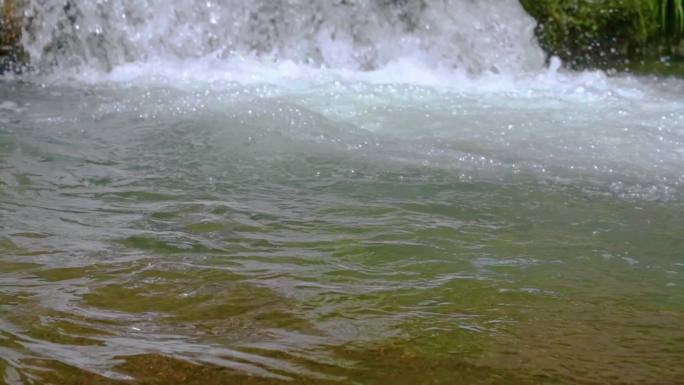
476,218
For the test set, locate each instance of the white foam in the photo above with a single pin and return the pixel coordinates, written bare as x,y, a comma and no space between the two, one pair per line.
99,36
482,47
466,78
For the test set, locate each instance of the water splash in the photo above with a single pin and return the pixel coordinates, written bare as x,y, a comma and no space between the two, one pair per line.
471,37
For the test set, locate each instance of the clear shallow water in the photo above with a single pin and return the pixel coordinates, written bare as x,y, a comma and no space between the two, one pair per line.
342,231
351,192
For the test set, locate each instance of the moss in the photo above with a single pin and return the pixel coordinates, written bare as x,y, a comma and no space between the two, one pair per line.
610,34
12,55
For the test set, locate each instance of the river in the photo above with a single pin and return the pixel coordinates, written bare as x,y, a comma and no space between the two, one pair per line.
320,192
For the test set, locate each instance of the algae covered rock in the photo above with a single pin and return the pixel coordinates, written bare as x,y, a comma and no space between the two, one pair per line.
12,55
641,35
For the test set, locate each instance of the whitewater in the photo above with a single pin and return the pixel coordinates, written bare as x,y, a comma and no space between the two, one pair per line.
348,191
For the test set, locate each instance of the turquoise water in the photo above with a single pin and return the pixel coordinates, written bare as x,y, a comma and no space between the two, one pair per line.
342,231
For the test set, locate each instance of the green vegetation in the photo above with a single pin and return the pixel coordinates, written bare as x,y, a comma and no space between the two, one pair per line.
671,16
620,34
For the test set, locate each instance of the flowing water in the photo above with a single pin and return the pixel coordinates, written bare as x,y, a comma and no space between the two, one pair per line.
322,192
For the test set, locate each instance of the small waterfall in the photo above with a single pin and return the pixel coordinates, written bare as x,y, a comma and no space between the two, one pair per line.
467,35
